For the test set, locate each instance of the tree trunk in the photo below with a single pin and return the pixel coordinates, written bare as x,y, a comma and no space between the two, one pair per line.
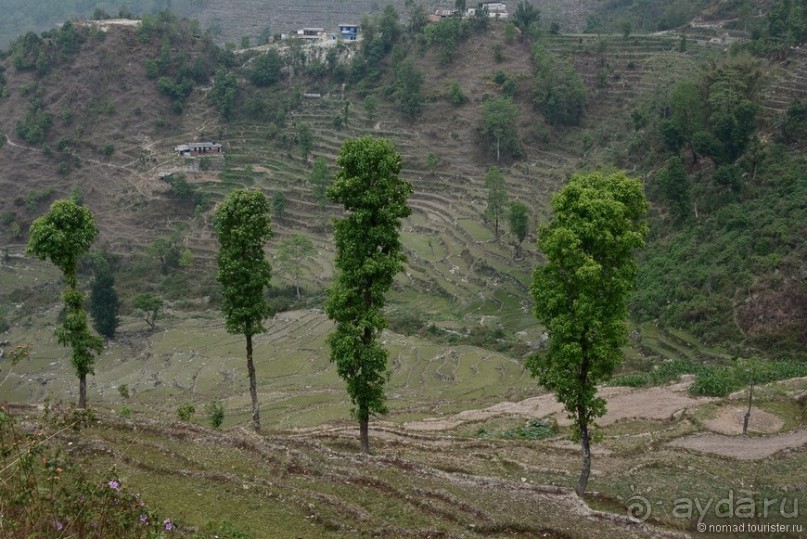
364,434
297,288
253,391
585,442
748,413
82,391
497,151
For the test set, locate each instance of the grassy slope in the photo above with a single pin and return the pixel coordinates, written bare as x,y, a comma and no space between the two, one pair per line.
457,277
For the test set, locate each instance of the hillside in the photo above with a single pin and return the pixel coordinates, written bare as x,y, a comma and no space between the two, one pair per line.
95,111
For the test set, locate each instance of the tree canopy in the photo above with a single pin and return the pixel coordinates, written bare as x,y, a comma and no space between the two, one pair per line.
497,196
63,235
581,292
368,255
243,227
499,117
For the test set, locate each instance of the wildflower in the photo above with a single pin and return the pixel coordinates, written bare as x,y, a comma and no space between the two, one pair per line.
114,485
144,518
59,526
169,524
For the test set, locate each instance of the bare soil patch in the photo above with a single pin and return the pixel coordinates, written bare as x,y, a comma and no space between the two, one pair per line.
742,447
623,403
730,420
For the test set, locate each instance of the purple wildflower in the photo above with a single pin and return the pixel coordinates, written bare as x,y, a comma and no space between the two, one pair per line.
114,485
59,526
169,524
144,518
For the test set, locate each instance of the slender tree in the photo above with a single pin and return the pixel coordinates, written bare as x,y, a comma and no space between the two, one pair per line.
499,116
368,255
243,227
63,235
320,179
519,222
581,292
306,137
104,303
497,196
290,255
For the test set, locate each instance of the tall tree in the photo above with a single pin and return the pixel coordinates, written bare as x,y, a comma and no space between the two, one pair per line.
63,235
581,292
104,304
290,255
559,92
519,222
675,186
266,68
497,196
243,227
499,117
368,255
306,138
320,179
408,94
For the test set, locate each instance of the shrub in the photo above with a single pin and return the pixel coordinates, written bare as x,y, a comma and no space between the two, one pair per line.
44,493
535,429
630,380
713,382
215,413
185,412
456,93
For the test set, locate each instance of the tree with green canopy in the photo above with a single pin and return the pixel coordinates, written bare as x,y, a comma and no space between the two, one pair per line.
320,179
243,227
497,196
150,306
676,188
581,292
63,235
408,93
306,138
266,68
499,116
525,16
290,255
519,222
368,255
104,303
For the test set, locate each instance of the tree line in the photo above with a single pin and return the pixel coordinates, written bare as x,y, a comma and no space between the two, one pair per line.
580,292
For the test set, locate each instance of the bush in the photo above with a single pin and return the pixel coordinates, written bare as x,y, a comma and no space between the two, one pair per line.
630,380
535,429
185,412
456,93
215,413
714,382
